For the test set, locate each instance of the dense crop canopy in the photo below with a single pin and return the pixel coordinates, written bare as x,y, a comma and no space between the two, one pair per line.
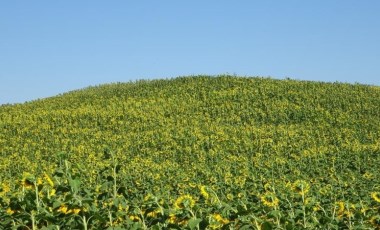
194,152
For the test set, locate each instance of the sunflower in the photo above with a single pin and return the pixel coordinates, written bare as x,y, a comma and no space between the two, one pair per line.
5,188
268,187
375,221
269,199
220,219
9,211
217,221
27,183
301,187
134,218
204,192
76,210
52,192
184,201
172,219
154,213
376,196
345,209
48,180
230,196
39,181
64,209
341,208
148,197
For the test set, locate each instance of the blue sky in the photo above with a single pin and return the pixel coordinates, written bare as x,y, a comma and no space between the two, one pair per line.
50,47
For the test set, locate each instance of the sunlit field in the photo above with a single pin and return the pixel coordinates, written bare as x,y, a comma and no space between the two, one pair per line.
194,153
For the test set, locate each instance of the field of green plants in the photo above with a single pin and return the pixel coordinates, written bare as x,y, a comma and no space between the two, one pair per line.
194,153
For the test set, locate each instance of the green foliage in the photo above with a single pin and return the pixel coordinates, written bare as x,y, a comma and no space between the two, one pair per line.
194,153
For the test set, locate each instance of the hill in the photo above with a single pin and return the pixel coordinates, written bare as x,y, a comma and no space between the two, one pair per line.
194,152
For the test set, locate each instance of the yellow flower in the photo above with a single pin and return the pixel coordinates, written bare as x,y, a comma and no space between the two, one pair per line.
230,196
183,222
204,192
345,209
172,219
217,221
376,196
64,209
134,218
220,219
341,206
268,187
39,181
301,187
185,201
76,210
269,199
368,175
154,213
5,188
375,221
10,211
52,192
27,184
148,197
49,180
192,185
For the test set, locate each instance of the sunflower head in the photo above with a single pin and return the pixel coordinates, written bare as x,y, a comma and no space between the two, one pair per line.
9,211
27,183
184,201
269,199
154,213
64,209
301,187
376,196
203,190
230,196
172,219
134,218
217,221
220,219
48,180
375,221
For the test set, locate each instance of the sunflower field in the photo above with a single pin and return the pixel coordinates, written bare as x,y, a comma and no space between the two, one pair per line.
198,152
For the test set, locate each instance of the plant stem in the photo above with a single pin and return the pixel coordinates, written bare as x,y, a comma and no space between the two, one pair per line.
33,221
303,206
37,199
84,222
110,217
114,182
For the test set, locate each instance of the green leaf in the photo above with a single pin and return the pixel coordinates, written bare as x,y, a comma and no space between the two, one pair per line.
59,173
75,185
266,226
275,213
245,227
193,223
56,204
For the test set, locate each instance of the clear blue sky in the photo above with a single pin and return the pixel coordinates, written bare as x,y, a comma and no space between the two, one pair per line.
50,47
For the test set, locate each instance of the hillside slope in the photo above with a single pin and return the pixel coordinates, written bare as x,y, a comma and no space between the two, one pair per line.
238,147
